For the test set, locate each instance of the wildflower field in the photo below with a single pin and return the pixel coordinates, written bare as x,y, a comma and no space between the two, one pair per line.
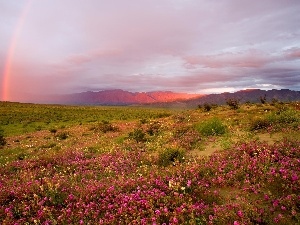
137,165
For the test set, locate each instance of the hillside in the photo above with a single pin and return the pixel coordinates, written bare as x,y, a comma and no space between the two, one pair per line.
248,95
162,98
119,97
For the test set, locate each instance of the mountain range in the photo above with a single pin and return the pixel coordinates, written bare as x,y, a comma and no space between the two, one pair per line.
243,96
120,97
170,99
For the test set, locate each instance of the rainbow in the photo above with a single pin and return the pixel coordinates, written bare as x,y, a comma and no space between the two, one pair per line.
11,50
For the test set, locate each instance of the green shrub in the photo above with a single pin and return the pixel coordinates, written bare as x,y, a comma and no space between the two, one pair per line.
233,103
143,121
53,130
212,127
154,128
275,102
170,156
206,107
138,135
49,145
92,149
21,156
162,115
263,99
62,135
106,126
2,139
38,128
259,124
284,116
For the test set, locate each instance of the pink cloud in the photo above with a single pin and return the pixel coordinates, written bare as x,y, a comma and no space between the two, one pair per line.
78,59
250,58
293,53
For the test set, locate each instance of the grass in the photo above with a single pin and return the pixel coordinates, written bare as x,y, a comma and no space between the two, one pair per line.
211,127
18,118
121,165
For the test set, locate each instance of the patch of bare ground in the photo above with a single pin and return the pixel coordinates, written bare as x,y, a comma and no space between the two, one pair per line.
213,145
269,138
207,149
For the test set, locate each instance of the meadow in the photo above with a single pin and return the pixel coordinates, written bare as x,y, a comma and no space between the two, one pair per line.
136,165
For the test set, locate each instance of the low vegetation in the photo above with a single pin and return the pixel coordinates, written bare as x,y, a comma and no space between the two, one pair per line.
133,165
233,103
211,127
2,138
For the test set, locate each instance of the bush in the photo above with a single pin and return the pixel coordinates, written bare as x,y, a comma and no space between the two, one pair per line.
233,103
21,156
106,126
154,128
49,145
263,99
170,156
259,124
2,139
143,121
206,107
284,116
53,130
212,127
62,135
162,115
138,135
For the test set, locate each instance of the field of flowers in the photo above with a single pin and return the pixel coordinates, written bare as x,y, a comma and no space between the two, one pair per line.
156,170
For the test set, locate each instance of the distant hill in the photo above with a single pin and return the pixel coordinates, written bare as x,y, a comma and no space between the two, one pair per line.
165,98
248,95
120,97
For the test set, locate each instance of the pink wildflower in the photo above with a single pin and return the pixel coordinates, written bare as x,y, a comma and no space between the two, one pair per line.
175,220
266,197
240,213
275,203
294,177
157,212
189,183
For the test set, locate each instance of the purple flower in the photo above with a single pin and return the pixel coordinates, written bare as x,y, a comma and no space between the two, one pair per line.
275,203
175,220
294,177
266,197
189,183
240,213
71,197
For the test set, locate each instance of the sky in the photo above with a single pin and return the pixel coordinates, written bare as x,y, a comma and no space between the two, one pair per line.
193,46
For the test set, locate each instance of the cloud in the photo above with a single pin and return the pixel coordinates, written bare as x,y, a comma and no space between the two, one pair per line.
79,59
251,58
293,53
142,45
